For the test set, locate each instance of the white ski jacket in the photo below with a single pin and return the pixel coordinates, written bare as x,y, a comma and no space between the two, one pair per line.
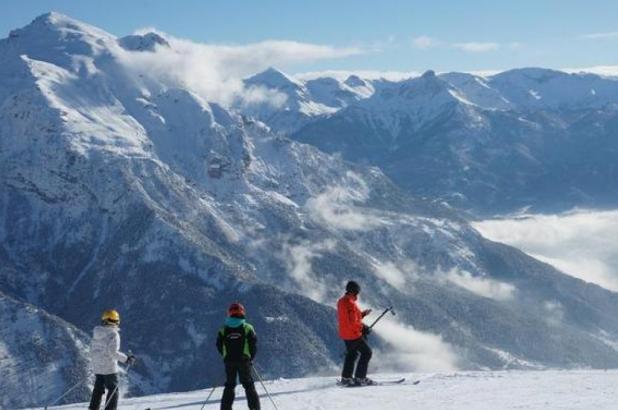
105,350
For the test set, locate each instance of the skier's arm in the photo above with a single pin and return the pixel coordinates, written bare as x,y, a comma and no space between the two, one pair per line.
220,343
252,344
116,353
354,318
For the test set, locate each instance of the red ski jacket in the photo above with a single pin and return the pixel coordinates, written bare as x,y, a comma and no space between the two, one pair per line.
350,318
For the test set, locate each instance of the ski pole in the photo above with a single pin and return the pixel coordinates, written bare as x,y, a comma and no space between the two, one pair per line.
208,398
388,309
264,387
111,396
67,392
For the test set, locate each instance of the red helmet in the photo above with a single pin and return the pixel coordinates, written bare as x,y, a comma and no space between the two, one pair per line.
236,309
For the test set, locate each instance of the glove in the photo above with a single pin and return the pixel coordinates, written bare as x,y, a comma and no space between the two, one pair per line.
366,312
131,359
366,330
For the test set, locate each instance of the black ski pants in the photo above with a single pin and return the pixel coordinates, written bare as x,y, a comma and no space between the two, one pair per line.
242,371
353,348
102,382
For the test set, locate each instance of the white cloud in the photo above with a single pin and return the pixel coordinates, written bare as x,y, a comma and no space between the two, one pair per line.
597,36
554,312
485,73
582,244
476,47
603,70
412,350
424,42
479,285
147,29
259,94
335,207
299,261
390,273
215,72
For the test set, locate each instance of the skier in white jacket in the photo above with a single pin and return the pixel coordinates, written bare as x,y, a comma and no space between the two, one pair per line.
105,351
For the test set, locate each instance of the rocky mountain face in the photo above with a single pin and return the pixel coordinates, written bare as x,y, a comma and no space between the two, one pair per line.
118,190
527,138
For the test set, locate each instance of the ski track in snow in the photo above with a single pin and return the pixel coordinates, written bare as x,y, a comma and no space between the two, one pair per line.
501,390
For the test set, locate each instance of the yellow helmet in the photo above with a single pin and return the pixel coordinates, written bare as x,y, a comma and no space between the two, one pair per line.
111,316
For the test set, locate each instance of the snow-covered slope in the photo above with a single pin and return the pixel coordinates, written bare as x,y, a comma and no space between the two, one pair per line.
121,190
532,390
40,355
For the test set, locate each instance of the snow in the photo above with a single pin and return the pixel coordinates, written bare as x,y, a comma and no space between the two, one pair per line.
504,390
534,94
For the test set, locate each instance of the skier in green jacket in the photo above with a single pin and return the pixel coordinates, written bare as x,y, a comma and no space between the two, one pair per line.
237,344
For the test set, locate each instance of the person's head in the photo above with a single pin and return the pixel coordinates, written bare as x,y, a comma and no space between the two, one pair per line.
236,310
110,318
352,288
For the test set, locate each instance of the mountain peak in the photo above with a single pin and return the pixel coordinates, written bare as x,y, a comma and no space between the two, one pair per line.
272,78
56,38
354,81
54,27
53,17
532,73
429,74
54,21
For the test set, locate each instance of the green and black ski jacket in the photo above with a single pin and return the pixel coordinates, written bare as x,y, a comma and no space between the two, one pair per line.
236,340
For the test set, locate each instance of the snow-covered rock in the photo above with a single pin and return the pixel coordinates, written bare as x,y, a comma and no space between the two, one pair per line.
145,42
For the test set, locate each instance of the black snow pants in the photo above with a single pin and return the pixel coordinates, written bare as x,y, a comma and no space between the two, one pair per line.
242,370
102,382
353,348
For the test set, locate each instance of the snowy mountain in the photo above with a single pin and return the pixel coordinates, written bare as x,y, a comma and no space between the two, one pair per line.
525,138
296,102
40,355
506,390
119,190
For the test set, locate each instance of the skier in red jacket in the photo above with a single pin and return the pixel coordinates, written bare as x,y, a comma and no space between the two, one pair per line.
354,332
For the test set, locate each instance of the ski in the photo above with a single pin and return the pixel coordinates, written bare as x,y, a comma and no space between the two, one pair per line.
379,383
394,381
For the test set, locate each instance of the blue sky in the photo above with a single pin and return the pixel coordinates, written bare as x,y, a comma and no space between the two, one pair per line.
385,35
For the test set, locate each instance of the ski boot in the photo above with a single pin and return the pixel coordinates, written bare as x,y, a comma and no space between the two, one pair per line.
347,382
364,381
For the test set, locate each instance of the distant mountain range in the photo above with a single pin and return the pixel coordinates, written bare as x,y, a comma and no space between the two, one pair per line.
527,138
120,191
